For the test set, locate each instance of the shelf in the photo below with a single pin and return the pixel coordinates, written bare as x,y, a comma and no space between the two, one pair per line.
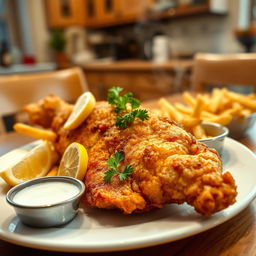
186,11
180,11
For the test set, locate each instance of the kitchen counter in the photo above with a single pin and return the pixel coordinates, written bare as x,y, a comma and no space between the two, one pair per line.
138,65
147,80
27,68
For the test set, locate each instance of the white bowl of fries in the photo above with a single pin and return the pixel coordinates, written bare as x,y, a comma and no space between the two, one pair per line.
239,126
215,134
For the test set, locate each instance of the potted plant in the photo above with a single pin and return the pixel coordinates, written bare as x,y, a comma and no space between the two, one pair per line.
58,43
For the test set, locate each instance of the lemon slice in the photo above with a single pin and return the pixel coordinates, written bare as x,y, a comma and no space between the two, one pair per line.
83,107
74,161
21,165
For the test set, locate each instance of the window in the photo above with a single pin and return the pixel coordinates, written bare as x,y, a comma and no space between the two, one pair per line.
4,29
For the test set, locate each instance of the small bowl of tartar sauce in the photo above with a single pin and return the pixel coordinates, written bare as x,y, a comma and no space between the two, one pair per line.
46,201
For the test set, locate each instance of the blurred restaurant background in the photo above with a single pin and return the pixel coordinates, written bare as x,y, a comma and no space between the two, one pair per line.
144,46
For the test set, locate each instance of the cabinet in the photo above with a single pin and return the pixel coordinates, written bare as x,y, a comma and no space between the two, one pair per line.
115,12
103,13
108,11
63,13
94,13
132,10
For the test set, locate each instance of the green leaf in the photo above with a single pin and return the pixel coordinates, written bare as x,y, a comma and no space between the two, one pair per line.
57,40
121,101
121,106
113,95
141,114
135,103
113,163
115,160
124,121
109,174
126,173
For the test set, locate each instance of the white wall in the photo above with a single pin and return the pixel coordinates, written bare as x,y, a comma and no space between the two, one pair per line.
206,33
39,30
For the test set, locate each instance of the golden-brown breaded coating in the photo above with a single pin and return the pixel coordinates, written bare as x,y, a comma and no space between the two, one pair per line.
50,112
170,165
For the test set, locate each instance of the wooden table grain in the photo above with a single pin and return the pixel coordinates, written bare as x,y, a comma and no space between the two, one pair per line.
236,237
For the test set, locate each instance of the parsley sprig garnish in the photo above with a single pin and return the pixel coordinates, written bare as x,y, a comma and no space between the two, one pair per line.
121,107
121,101
123,121
113,164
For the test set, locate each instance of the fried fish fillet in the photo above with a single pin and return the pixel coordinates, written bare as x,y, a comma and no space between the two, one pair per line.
170,165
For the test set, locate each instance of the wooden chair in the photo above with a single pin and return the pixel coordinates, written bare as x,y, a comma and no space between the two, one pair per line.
19,90
227,69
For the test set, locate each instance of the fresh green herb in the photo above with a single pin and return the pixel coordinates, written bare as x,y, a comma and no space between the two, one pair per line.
112,164
115,160
121,101
109,174
123,121
126,173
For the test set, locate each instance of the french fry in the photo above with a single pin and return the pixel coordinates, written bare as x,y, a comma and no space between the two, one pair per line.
190,121
172,111
198,107
235,110
199,132
34,132
245,112
188,110
222,119
183,109
206,100
206,114
215,100
252,96
245,101
189,99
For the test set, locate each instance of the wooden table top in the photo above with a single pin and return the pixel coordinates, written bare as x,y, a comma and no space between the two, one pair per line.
234,237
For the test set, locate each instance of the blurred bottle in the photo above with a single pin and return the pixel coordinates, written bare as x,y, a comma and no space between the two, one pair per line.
16,55
5,55
160,48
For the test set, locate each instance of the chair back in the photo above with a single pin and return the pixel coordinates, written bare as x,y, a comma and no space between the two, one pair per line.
19,90
226,69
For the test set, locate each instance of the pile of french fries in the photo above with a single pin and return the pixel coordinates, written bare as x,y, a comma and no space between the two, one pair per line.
221,106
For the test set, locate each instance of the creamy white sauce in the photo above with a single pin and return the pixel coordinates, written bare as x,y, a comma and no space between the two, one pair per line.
46,193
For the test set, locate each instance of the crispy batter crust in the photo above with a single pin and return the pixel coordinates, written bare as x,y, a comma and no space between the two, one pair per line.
170,166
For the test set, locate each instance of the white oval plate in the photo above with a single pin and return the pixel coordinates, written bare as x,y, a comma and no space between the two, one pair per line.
96,230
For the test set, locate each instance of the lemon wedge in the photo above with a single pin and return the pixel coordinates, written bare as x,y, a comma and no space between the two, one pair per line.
74,161
21,165
82,108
